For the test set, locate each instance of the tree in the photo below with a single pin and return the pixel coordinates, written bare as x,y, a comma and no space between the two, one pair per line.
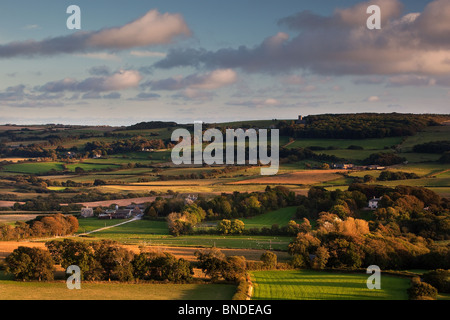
115,261
421,290
81,254
321,258
211,262
269,260
293,227
237,227
224,226
233,268
30,264
440,279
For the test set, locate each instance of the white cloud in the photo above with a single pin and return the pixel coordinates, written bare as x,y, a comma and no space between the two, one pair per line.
205,81
341,44
148,54
121,80
153,28
100,56
373,99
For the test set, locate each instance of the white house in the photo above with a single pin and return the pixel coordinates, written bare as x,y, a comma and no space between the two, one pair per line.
373,203
87,212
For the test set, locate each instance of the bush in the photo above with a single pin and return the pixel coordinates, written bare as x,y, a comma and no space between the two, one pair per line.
269,260
421,290
440,279
242,291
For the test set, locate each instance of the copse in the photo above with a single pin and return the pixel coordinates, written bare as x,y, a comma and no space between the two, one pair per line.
27,264
230,227
217,266
41,226
107,260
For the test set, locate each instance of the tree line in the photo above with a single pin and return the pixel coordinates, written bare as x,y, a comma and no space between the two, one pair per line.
103,260
358,126
41,226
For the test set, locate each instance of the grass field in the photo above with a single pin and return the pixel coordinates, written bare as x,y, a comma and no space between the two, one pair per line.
34,167
156,233
373,144
12,290
440,133
91,224
317,285
280,217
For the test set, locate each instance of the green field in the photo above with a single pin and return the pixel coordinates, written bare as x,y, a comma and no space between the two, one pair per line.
317,285
91,166
34,167
367,144
156,233
280,217
91,224
351,155
12,290
439,133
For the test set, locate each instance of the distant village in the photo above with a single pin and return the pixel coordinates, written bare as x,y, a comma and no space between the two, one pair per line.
130,211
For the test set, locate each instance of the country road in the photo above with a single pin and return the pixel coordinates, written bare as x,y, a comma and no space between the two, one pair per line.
109,227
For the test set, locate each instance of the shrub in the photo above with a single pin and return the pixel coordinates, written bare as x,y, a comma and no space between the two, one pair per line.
440,279
421,290
269,260
242,291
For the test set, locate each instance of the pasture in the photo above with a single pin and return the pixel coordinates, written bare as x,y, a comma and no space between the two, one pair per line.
318,285
438,133
12,290
306,177
33,167
369,144
280,217
156,233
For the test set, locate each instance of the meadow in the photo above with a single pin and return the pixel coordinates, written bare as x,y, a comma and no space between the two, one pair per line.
280,217
156,233
370,144
320,285
12,290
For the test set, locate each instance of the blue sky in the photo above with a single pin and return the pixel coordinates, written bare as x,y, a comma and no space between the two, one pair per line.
215,61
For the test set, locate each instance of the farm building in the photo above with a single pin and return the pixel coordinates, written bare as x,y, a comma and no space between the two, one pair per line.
87,212
190,199
375,167
122,214
105,215
373,203
343,166
136,209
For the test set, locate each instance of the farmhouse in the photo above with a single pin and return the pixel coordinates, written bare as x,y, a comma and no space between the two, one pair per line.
136,209
190,199
373,203
122,214
105,215
87,212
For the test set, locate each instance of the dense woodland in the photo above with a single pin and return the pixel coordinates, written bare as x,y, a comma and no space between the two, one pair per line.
358,126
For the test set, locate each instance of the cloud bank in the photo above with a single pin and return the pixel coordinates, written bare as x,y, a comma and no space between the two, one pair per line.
153,28
341,44
121,80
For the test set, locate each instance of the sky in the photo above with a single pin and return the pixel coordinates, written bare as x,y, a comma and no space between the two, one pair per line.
220,61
